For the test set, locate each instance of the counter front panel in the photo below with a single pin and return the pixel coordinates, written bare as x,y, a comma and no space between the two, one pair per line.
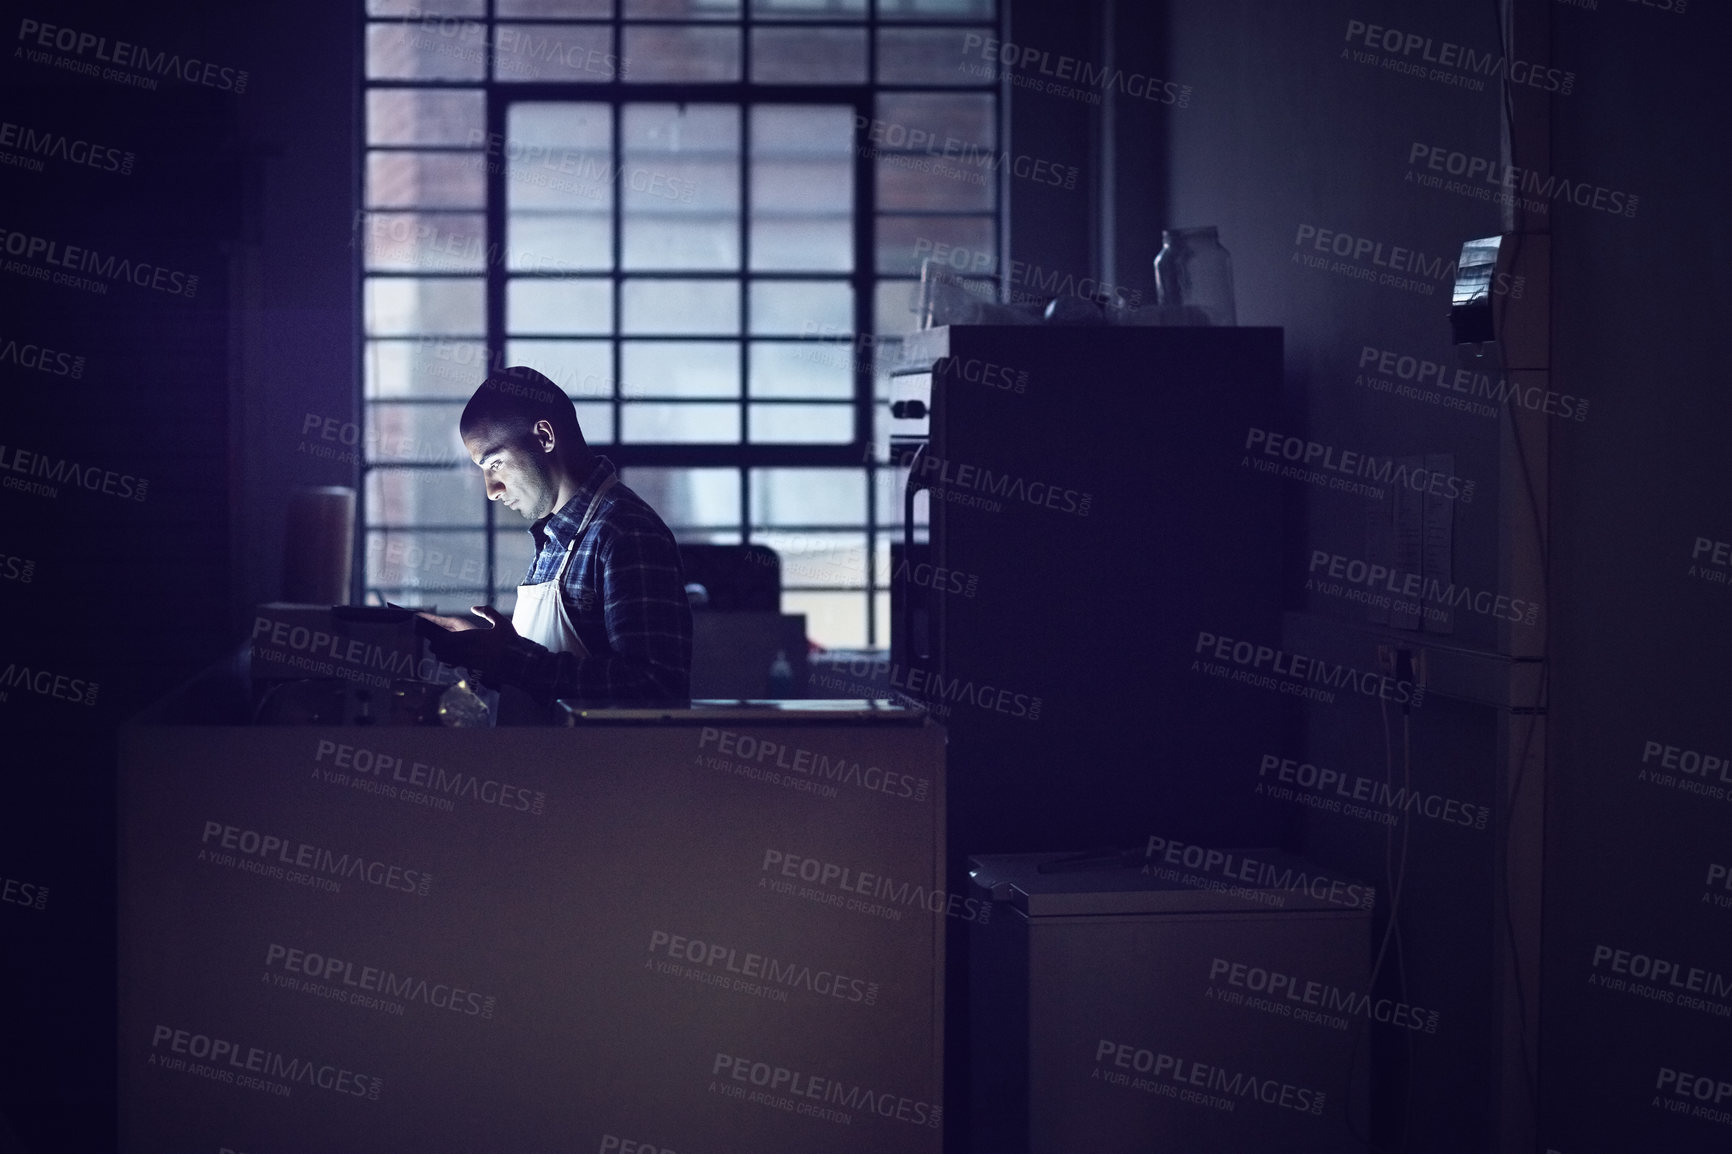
704,937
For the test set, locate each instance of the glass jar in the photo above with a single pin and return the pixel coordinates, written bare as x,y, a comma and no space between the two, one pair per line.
1194,277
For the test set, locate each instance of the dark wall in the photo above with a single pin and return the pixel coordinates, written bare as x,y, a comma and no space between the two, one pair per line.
1642,637
161,423
1289,144
1291,133
296,304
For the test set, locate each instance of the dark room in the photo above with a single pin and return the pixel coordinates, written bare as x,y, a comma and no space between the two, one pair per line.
866,577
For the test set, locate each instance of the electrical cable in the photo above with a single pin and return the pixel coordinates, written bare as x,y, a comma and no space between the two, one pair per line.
1394,879
1529,1079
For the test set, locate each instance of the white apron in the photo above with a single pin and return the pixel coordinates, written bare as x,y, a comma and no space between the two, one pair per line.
540,614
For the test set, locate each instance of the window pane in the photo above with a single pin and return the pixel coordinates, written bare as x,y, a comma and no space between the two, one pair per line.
559,306
903,241
567,8
934,151
802,308
809,55
426,7
425,180
584,369
424,497
816,135
655,53
569,180
683,369
426,50
887,488
695,151
963,181
804,243
823,559
417,434
558,242
686,240
424,242
422,559
675,180
411,306
596,421
809,9
554,53
586,124
701,307
893,305
935,56
513,550
558,156
789,369
662,134
802,424
712,537
803,497
802,188
422,116
938,10
689,498
833,620
968,117
688,424
829,357
430,367
683,9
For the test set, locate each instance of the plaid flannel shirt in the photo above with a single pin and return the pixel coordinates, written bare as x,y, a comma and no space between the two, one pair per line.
626,595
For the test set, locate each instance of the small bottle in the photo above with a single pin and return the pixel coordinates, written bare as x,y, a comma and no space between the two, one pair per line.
781,677
1194,277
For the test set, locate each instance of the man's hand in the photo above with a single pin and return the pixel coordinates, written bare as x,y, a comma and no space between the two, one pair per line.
469,645
450,624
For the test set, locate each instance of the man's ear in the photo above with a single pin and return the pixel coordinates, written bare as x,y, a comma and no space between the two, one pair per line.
542,433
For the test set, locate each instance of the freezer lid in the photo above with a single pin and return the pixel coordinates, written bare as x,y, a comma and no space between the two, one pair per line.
708,711
1128,882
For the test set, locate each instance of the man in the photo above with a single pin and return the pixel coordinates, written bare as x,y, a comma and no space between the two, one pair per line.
603,614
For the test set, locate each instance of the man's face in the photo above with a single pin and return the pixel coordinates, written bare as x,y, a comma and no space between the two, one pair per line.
516,466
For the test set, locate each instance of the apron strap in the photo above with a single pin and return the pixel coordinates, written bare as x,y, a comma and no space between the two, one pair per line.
577,537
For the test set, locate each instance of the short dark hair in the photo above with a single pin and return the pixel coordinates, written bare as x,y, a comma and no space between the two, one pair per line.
521,395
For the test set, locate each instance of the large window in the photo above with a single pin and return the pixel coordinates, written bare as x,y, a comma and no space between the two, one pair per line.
704,219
